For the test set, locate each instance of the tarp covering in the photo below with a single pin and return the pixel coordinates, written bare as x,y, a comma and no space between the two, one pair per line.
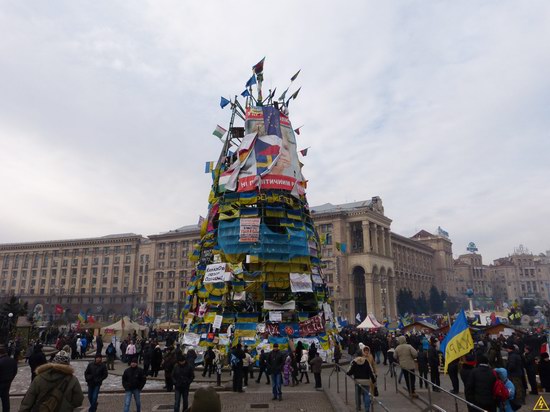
123,327
369,323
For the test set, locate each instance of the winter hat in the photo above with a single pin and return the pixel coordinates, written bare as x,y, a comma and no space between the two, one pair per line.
206,399
62,357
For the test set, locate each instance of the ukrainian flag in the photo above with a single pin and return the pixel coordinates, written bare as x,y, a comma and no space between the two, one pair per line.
458,341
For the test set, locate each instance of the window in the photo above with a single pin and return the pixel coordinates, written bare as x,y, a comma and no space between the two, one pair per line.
75,262
84,271
126,269
115,281
104,271
170,295
106,250
73,272
64,262
116,260
117,250
115,270
95,261
94,271
159,295
85,262
160,285
128,259
127,248
54,272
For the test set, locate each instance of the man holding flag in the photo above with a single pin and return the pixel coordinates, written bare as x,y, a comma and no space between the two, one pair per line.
457,343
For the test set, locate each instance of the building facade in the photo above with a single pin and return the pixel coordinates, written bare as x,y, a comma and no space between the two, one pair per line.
414,265
361,274
97,275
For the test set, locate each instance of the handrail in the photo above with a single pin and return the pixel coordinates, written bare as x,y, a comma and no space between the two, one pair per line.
338,369
429,385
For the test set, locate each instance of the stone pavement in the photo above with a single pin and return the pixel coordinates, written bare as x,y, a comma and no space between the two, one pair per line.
260,400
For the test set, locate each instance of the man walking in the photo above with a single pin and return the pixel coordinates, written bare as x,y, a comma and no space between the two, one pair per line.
316,367
110,352
133,381
236,361
8,370
263,367
405,354
182,376
275,363
95,374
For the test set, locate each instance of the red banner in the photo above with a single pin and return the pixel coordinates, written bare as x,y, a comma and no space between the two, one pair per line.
312,326
280,182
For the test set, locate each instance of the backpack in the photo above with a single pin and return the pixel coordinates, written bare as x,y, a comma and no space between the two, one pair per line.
500,391
53,399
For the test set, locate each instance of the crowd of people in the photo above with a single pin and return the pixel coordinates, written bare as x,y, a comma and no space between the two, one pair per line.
511,362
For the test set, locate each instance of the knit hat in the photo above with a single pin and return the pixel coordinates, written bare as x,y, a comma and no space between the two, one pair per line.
206,399
62,357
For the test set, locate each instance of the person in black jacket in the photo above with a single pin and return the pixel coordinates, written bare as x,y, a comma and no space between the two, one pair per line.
422,360
36,359
8,370
480,385
236,360
275,363
514,366
263,367
362,372
95,374
529,362
156,361
182,376
133,381
433,362
147,354
169,363
544,371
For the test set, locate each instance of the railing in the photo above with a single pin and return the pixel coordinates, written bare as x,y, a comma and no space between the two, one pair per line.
337,370
429,385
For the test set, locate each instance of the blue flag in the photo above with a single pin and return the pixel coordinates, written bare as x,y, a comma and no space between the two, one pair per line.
458,341
224,102
245,93
251,81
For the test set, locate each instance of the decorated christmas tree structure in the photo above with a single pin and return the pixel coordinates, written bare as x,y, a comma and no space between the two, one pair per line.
258,278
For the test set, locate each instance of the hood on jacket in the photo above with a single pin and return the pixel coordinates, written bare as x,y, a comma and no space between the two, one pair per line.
360,360
54,372
502,373
402,339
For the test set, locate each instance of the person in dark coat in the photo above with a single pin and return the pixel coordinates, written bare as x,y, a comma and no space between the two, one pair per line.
312,351
422,360
208,362
99,345
36,359
110,352
316,367
58,374
182,376
191,357
363,374
236,360
8,370
514,366
452,369
544,371
275,363
263,367
529,362
156,361
468,365
433,362
169,363
147,354
95,374
480,385
133,381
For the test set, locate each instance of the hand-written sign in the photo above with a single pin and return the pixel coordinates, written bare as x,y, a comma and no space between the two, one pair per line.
214,273
250,229
312,326
217,322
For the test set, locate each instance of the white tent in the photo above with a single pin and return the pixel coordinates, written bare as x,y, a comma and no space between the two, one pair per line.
122,328
369,323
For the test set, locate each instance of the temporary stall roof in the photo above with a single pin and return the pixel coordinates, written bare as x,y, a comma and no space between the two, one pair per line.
123,326
370,322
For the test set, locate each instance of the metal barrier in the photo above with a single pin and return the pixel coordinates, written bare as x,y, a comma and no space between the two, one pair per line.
429,385
337,370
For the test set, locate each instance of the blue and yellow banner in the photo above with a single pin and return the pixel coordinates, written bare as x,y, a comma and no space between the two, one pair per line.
458,341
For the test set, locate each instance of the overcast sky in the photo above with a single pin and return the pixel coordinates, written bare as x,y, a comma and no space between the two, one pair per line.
440,108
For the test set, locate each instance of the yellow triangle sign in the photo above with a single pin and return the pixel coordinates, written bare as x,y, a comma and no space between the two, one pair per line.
541,405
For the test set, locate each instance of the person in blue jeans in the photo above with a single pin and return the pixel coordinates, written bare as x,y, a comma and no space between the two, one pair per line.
95,374
363,374
275,364
182,376
133,381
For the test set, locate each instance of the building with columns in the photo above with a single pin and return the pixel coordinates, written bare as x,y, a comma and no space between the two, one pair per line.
360,275
365,265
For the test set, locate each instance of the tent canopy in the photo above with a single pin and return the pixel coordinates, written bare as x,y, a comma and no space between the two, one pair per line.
168,325
122,328
370,322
